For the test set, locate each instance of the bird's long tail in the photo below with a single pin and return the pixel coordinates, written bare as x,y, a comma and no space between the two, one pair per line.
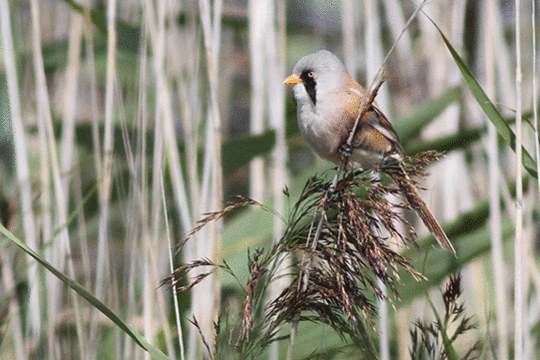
409,190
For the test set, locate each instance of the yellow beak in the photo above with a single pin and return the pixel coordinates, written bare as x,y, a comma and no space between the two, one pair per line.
293,79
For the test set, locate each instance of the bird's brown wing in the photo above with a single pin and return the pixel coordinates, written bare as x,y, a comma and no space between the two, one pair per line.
374,132
379,121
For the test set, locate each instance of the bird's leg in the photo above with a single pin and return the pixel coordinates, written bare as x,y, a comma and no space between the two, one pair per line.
346,150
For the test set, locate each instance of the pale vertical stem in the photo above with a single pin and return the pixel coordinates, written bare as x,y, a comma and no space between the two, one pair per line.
191,144
494,207
158,42
205,201
154,308
146,240
276,97
42,100
66,156
164,127
535,100
130,304
105,181
202,243
147,294
278,112
102,259
21,155
48,224
95,119
292,340
350,53
164,103
96,143
82,229
217,171
258,22
162,303
275,45
173,156
141,184
384,335
217,179
518,241
211,36
374,58
150,245
61,205
535,97
70,100
148,297
205,198
157,164
171,268
216,34
14,309
60,250
188,85
90,67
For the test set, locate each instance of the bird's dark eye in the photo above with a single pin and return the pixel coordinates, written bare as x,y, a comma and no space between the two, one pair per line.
311,74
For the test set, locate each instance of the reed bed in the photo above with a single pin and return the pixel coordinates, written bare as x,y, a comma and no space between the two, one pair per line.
157,198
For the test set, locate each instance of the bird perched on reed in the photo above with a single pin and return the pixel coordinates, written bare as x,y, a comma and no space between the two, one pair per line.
328,102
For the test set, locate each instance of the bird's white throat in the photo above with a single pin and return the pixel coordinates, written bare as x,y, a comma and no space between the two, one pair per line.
315,127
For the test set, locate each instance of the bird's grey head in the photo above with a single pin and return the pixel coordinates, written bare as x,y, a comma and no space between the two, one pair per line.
320,72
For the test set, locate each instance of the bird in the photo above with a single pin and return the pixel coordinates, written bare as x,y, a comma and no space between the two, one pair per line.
328,101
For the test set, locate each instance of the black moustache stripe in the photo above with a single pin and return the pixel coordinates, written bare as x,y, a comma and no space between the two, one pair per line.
310,85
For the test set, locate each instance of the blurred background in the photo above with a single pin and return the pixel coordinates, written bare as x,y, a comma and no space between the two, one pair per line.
124,122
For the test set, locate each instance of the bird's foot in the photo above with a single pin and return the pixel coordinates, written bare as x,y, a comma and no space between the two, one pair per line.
391,160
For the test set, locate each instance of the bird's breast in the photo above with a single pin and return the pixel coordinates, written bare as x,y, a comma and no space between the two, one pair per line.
319,131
